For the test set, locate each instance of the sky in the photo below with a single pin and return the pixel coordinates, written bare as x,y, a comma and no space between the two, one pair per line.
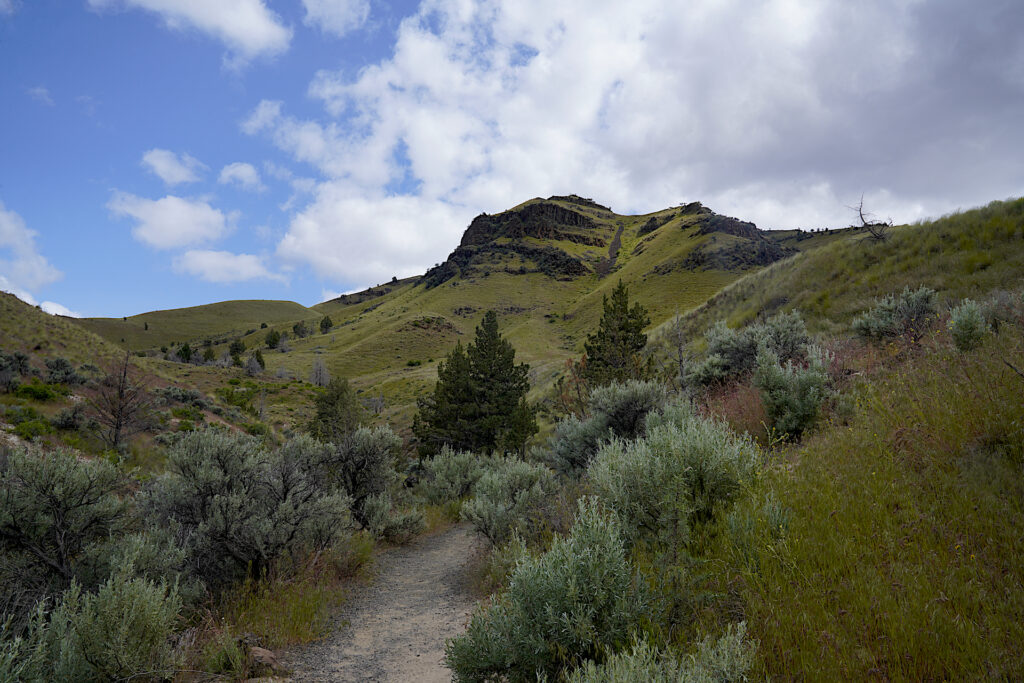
164,153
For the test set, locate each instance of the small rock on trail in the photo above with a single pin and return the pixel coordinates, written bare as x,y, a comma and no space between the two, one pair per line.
394,628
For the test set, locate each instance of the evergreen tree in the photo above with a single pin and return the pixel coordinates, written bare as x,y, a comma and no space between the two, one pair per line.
272,339
338,412
326,324
613,350
479,401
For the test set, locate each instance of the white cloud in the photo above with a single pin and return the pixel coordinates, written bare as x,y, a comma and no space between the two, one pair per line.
353,238
773,113
172,221
22,267
40,93
243,175
339,17
223,266
172,168
7,6
247,27
54,308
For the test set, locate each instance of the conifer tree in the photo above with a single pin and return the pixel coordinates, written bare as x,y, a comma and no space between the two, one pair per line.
613,350
479,401
338,412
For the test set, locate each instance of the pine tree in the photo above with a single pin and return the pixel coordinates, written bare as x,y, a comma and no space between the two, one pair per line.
479,401
338,412
613,350
326,324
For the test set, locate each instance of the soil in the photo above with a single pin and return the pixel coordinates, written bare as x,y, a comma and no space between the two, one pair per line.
394,627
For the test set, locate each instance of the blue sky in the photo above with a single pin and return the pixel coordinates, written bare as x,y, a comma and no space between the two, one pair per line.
165,153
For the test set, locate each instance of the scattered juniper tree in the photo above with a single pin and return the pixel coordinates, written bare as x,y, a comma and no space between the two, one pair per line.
300,329
613,351
272,339
326,324
338,412
479,401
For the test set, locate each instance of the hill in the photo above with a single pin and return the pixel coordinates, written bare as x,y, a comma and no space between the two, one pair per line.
179,325
543,265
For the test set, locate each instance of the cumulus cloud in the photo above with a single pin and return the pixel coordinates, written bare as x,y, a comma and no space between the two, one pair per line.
39,93
172,168
223,267
54,308
339,17
774,113
241,174
172,221
247,27
22,268
348,236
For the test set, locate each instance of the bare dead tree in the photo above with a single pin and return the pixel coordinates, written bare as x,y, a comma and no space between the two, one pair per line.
120,404
877,229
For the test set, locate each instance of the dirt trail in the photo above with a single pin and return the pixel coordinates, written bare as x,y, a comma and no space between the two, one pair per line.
394,628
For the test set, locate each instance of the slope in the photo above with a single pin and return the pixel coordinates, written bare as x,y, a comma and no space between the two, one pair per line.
210,321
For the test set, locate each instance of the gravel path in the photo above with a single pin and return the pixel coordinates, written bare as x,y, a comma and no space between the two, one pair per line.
394,628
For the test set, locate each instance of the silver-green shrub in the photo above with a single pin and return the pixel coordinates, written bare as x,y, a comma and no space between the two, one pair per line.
615,410
236,507
363,465
906,314
732,353
508,497
59,517
396,525
792,393
121,632
726,660
450,475
967,325
675,476
578,601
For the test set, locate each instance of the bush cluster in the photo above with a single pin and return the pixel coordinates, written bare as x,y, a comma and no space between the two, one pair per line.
507,498
577,601
907,314
732,353
792,393
968,325
676,476
616,410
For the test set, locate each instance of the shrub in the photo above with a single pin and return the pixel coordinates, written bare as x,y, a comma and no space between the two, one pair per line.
59,516
575,602
731,353
727,660
676,476
450,475
792,394
236,507
363,466
395,526
36,391
121,632
33,429
967,325
507,498
70,419
907,314
61,371
615,410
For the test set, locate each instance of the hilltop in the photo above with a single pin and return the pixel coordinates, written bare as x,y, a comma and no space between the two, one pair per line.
543,265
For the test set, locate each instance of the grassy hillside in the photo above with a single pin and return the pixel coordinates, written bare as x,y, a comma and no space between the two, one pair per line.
961,255
29,330
161,328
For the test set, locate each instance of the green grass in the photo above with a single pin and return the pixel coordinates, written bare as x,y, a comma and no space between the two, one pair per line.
961,255
228,318
901,556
